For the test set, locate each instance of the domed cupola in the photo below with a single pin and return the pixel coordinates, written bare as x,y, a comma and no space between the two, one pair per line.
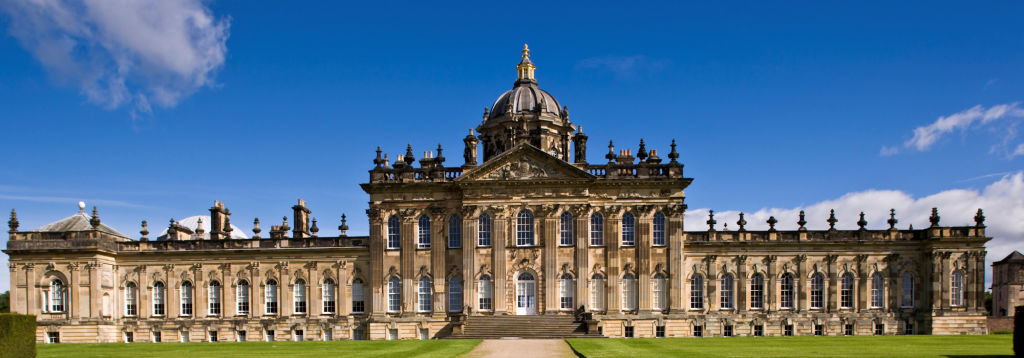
528,114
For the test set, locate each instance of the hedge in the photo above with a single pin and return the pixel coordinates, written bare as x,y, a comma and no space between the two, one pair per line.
17,335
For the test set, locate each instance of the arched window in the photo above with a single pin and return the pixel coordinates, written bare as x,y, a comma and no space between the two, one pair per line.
567,288
597,292
299,296
186,298
394,294
131,299
159,300
907,290
484,290
454,232
628,229
56,296
394,233
786,291
524,228
270,297
329,302
213,298
565,229
483,231
658,285
423,240
728,295
425,294
877,291
696,291
817,290
846,291
757,292
658,237
242,297
596,229
358,305
455,294
628,292
956,292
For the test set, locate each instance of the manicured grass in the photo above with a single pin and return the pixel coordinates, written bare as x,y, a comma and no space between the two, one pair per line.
431,348
861,346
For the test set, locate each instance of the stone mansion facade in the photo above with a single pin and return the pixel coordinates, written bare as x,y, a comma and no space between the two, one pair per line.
526,226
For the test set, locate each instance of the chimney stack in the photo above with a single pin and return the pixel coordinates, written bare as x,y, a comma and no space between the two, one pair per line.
218,215
301,220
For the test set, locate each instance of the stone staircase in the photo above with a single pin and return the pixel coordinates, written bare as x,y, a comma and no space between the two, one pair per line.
504,326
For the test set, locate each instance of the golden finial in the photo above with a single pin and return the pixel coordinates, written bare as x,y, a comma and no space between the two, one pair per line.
526,51
525,67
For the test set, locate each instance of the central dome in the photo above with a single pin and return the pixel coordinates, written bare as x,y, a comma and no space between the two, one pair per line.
525,97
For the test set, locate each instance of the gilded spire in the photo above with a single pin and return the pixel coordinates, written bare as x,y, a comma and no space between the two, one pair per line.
525,67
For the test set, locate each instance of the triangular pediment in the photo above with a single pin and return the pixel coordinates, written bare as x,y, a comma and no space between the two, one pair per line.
525,162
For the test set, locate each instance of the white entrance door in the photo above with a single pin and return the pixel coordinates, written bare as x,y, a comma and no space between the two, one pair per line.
526,295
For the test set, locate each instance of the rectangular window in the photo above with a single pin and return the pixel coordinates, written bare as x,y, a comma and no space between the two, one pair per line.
819,330
698,331
848,330
908,329
879,329
758,331
213,336
240,335
565,227
629,331
424,334
299,336
727,330
658,234
628,230
484,231
907,290
659,331
328,335
596,230
270,336
393,334
454,232
129,337
358,305
183,337
157,337
787,330
394,233
52,337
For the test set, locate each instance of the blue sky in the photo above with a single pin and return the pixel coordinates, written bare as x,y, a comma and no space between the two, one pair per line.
776,107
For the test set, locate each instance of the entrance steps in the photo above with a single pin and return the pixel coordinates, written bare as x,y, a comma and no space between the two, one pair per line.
506,326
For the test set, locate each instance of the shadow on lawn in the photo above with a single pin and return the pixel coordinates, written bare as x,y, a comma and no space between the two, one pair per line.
983,356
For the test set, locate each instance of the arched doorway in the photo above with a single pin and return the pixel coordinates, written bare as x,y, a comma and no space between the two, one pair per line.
526,294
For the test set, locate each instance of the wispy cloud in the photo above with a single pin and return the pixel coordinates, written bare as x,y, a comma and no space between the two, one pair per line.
926,136
1002,200
123,52
623,67
69,200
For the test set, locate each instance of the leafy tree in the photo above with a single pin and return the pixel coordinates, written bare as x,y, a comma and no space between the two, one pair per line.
5,302
988,302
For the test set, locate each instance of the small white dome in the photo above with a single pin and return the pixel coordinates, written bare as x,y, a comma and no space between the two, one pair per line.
192,222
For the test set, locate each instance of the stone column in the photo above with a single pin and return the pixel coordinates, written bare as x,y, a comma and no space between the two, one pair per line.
582,240
408,261
710,283
612,241
741,284
548,217
343,300
76,305
470,220
438,251
863,300
643,257
831,298
145,287
500,236
172,289
315,296
771,281
95,292
674,231
801,281
374,292
979,281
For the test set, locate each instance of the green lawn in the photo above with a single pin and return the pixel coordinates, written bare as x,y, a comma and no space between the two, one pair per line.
864,346
431,348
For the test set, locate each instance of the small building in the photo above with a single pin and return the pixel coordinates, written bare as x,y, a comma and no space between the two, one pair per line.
1007,285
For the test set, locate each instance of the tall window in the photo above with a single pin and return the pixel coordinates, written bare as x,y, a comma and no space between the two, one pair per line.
659,229
455,294
242,297
597,292
423,240
213,298
131,299
877,290
568,289
484,290
786,291
846,291
56,296
394,294
956,291
524,228
596,229
565,229
757,292
186,298
696,291
329,302
628,292
907,290
358,305
299,296
270,297
728,295
817,290
483,230
158,299
454,232
425,294
658,285
628,230
394,233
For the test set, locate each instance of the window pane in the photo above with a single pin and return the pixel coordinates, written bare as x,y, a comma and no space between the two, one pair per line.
659,230
596,229
484,230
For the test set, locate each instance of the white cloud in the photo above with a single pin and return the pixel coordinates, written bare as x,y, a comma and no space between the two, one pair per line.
926,136
889,151
622,67
1002,201
123,52
1018,151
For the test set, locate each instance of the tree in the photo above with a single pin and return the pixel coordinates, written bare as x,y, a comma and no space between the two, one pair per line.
5,302
988,302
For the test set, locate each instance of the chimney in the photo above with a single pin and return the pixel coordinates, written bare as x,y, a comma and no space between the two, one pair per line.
301,220
218,215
